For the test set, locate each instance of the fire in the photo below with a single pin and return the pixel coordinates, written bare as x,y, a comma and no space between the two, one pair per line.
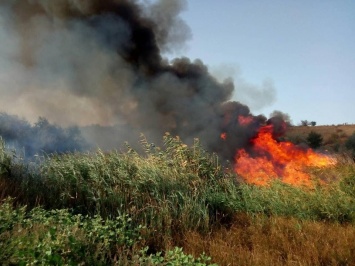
272,159
224,136
245,120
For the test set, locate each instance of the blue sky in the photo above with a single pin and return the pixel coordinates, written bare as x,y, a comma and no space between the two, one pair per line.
304,50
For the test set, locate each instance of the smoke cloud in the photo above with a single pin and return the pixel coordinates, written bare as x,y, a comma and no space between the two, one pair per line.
255,96
93,62
42,137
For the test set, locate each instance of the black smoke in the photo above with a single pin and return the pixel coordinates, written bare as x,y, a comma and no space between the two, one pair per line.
86,62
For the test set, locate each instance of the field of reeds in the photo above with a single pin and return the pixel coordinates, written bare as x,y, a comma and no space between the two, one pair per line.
169,205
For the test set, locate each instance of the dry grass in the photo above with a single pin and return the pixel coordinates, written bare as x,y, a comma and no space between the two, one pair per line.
343,131
262,240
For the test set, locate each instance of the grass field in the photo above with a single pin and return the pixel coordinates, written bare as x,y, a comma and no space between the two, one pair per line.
329,133
174,205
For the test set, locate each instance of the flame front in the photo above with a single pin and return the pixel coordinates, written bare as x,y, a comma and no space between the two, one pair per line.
272,159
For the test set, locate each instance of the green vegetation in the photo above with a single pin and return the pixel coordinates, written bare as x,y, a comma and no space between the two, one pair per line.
130,208
338,139
350,144
314,140
59,237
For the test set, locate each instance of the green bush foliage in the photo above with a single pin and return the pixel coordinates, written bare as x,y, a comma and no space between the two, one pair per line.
173,257
350,144
57,237
314,140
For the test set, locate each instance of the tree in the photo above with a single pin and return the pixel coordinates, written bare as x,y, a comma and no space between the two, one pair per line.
314,140
304,123
313,123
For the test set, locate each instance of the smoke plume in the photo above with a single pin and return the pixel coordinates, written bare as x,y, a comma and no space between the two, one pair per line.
94,62
42,137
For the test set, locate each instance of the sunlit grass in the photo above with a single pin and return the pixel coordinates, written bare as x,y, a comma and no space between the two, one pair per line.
273,240
177,192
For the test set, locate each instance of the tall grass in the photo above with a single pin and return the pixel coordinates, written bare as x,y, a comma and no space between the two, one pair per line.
57,237
186,186
273,240
163,189
171,191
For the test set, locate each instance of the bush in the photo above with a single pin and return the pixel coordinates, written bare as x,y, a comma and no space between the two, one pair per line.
350,144
173,257
57,237
314,140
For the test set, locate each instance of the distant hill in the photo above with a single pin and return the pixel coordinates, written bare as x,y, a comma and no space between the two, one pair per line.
332,135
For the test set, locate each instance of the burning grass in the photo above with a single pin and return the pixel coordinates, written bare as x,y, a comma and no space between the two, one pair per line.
179,191
269,159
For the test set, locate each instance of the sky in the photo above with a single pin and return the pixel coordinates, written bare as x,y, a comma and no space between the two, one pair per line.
297,57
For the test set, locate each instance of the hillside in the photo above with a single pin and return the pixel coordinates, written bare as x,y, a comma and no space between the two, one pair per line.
331,134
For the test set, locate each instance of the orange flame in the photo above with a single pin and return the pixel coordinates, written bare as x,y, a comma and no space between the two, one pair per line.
245,120
275,159
224,136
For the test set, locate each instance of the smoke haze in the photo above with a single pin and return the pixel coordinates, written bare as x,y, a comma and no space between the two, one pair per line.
255,96
88,62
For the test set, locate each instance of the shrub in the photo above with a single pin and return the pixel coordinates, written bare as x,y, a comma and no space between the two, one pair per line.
173,257
314,140
350,144
57,237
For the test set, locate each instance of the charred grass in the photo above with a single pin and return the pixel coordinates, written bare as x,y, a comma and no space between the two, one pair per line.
175,196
